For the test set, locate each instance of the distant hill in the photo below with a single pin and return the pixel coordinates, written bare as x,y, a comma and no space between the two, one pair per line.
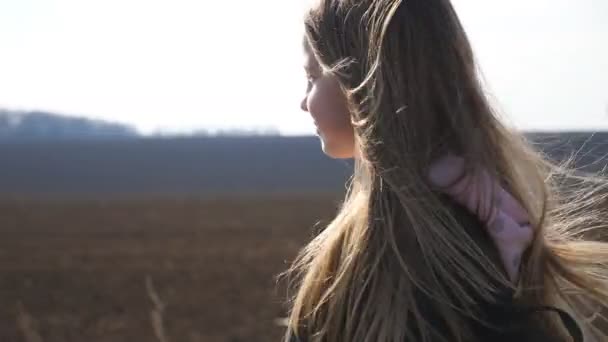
19,125
207,166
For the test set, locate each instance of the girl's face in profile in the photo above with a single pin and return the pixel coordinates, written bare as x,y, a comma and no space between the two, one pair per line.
326,103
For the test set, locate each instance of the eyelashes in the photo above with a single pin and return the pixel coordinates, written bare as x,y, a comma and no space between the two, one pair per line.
310,79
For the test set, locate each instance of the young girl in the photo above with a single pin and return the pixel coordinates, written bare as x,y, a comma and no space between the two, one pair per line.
454,228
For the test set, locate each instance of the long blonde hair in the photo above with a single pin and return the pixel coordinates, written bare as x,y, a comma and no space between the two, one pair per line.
408,72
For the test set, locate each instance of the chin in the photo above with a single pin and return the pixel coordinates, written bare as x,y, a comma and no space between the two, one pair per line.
336,153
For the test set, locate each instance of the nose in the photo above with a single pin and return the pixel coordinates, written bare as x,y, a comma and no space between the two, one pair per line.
304,104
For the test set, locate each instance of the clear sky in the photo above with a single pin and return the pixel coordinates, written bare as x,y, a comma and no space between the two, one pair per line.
183,65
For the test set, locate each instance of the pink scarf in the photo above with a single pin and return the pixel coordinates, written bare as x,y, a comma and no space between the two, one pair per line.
505,219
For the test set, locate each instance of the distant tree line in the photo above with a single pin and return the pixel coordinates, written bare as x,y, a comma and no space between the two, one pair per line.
42,125
206,133
27,125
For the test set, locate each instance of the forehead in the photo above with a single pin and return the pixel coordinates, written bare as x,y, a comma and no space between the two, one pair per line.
306,46
310,61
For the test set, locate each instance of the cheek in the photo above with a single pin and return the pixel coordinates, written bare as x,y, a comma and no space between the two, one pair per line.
327,106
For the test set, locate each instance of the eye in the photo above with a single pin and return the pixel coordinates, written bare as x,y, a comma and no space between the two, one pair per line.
310,79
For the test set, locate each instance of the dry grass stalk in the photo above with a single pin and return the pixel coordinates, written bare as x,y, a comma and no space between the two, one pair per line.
156,314
27,325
